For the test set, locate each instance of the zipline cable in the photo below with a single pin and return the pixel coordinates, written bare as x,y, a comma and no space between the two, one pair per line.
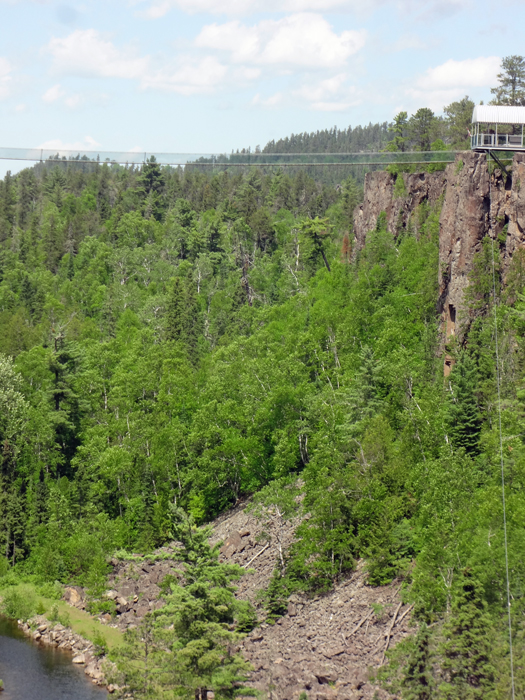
501,443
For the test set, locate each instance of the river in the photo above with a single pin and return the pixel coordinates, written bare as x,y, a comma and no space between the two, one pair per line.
32,672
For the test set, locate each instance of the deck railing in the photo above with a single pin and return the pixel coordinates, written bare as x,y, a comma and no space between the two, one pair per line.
510,141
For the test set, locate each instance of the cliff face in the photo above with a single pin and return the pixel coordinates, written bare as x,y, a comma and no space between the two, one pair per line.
475,204
399,203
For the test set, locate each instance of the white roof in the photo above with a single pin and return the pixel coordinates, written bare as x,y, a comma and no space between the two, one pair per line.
498,114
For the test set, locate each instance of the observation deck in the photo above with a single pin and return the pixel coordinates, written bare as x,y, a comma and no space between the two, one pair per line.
498,128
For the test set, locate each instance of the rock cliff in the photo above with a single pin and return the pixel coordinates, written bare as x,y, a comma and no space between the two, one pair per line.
477,201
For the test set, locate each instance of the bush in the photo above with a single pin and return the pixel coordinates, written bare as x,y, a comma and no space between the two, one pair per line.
50,590
101,645
18,603
62,617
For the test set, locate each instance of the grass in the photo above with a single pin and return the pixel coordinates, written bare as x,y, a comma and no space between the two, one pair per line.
80,621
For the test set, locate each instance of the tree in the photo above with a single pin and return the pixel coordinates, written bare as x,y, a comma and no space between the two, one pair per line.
511,88
459,118
316,232
399,129
201,620
417,678
13,420
463,415
140,661
150,188
466,648
182,315
421,128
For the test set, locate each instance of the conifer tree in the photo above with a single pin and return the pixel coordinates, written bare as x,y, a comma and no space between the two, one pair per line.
511,88
463,414
201,620
466,649
418,677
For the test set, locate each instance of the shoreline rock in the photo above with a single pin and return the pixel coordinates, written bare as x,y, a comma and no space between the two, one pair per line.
53,634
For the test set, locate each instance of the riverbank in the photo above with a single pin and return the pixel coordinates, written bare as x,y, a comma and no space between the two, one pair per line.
70,630
84,652
31,670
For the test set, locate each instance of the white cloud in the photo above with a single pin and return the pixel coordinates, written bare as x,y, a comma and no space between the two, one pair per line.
190,78
90,53
54,93
59,146
5,77
470,73
303,39
332,94
452,80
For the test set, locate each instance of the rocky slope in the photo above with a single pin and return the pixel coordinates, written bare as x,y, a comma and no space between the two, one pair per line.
324,646
476,204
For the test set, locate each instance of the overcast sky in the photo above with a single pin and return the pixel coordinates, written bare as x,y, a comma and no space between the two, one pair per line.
213,75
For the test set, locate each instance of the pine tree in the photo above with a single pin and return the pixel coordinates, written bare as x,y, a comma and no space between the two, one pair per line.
463,413
399,129
150,188
420,128
466,650
511,88
140,661
201,620
417,678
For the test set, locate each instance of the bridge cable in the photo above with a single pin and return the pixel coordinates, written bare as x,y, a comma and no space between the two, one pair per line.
501,441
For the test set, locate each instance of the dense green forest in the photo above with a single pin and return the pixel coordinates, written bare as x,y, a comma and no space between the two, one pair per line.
174,341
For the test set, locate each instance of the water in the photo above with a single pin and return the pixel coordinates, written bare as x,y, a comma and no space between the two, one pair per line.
32,672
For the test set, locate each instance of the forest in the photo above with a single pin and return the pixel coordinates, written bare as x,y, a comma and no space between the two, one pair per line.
175,341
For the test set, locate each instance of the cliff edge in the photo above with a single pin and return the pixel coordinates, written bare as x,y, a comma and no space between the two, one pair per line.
477,201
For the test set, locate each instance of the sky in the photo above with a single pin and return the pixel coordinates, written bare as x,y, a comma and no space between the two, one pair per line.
209,76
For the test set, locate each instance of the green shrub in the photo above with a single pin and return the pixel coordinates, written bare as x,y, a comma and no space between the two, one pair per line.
400,189
62,617
101,645
50,590
18,603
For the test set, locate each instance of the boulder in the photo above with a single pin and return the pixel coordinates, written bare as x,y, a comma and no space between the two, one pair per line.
74,595
337,650
232,543
79,659
326,676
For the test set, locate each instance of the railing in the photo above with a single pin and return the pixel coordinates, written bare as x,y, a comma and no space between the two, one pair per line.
509,141
226,160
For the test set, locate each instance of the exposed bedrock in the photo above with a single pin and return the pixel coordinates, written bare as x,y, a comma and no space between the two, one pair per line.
475,205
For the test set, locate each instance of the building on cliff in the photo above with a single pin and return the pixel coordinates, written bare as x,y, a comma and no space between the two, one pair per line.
487,119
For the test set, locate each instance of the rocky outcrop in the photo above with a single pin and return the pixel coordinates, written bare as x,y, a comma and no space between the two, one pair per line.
476,204
399,202
323,646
